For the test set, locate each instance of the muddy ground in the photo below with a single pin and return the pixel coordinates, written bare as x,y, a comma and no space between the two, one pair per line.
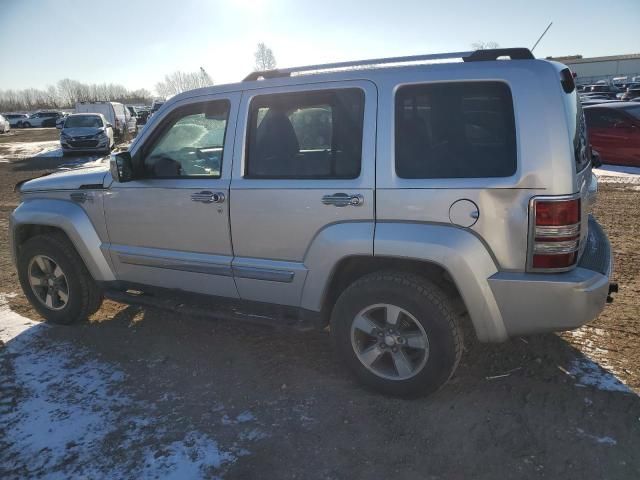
140,393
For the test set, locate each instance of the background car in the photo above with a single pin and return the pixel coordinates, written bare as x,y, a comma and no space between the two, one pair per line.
597,101
143,115
116,114
42,119
614,131
630,94
155,106
86,132
5,126
600,90
60,120
15,119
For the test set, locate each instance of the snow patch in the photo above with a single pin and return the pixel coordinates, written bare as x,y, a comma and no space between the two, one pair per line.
245,417
602,440
66,414
589,373
618,174
19,150
12,324
182,460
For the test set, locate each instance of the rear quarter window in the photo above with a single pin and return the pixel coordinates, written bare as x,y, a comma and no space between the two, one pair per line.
455,130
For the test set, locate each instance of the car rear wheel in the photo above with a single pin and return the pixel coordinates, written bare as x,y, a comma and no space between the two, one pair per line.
26,125
398,333
56,281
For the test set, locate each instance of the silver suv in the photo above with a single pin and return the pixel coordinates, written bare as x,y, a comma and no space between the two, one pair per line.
394,200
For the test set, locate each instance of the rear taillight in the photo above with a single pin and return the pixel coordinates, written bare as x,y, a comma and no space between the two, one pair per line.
567,80
555,233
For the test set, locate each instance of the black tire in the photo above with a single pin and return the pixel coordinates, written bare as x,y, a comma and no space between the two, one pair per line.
84,295
427,304
26,125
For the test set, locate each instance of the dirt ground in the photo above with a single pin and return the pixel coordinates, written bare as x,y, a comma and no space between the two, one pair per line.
141,393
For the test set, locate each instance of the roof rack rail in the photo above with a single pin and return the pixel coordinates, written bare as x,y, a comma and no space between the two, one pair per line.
495,53
472,56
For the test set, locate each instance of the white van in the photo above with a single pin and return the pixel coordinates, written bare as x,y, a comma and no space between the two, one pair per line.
116,114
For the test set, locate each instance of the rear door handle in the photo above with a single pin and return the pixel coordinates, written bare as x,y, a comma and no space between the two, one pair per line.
343,200
208,197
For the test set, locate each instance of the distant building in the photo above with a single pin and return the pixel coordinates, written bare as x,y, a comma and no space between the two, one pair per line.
590,70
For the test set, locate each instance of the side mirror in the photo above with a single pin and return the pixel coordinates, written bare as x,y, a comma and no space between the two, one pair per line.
121,167
59,125
108,125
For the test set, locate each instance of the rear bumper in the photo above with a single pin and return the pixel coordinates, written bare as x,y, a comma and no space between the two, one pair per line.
536,303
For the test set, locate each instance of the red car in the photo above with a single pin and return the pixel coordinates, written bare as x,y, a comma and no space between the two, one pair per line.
614,131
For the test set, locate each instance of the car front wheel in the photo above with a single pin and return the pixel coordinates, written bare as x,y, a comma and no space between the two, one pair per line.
56,281
398,333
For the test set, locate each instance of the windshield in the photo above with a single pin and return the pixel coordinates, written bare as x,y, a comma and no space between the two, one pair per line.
90,121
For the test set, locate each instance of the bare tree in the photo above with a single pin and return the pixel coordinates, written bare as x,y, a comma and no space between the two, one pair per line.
480,45
265,60
66,94
205,78
178,82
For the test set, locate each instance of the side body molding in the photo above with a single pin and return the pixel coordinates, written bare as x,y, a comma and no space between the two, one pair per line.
332,244
73,220
461,254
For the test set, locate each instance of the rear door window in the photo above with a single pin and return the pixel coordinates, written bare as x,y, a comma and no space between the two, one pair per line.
310,135
455,130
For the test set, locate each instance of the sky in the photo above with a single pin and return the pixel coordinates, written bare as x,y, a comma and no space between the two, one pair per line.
136,42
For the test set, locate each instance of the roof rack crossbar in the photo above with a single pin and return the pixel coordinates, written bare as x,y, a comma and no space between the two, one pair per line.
470,56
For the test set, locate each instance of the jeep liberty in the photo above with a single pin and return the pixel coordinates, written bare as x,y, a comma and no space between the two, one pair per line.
391,200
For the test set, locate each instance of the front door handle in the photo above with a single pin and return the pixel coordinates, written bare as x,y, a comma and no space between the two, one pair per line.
208,197
343,200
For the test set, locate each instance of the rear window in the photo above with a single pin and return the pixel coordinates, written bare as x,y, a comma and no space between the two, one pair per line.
578,128
455,130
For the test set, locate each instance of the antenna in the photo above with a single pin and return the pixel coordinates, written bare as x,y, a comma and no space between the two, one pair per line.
543,34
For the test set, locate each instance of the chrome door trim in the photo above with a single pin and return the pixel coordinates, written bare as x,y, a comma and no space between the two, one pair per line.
173,260
271,281
175,264
259,273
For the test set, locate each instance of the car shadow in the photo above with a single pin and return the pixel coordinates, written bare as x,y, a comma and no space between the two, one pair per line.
527,408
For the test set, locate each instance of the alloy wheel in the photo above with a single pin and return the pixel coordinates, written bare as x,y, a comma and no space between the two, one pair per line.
389,341
48,282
